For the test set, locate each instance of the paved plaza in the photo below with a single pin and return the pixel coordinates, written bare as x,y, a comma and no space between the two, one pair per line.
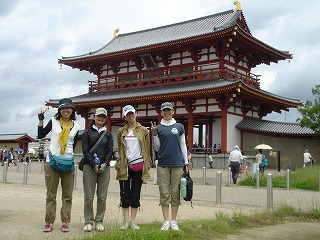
22,206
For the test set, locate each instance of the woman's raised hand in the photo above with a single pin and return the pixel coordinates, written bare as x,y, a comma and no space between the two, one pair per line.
153,128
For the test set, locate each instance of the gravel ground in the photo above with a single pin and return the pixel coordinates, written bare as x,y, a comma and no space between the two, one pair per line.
22,206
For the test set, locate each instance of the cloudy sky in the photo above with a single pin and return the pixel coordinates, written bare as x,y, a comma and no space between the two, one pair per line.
34,34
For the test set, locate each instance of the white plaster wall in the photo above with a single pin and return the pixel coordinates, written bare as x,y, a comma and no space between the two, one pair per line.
216,131
233,134
114,132
200,109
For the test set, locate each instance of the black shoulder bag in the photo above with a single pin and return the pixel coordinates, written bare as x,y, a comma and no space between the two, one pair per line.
81,163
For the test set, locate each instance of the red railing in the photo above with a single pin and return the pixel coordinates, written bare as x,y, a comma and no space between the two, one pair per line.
110,84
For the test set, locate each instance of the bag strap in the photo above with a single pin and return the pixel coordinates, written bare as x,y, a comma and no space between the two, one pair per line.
97,142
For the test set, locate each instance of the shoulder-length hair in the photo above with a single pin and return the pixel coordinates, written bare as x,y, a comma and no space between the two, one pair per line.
72,117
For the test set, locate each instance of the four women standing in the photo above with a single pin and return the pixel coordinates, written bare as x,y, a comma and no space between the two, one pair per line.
132,165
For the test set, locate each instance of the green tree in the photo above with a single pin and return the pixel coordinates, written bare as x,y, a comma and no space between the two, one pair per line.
311,113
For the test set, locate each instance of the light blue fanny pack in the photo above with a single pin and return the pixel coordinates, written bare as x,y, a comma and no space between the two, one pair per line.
62,164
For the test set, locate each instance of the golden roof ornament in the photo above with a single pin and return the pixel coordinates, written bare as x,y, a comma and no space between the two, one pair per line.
115,33
238,6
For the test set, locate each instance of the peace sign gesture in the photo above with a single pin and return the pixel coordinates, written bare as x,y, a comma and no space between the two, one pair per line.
154,128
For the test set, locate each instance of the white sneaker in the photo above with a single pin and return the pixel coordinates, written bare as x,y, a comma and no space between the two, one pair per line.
134,226
174,225
125,226
87,227
165,225
99,227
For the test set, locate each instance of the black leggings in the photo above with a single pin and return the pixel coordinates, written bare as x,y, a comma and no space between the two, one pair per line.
130,190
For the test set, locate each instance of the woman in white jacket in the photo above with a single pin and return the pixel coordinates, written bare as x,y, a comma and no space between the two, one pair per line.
64,131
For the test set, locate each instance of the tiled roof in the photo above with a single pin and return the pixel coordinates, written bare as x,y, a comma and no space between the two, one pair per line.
165,89
173,32
272,127
12,137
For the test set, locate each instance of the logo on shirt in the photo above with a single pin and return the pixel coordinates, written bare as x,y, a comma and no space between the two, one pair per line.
174,131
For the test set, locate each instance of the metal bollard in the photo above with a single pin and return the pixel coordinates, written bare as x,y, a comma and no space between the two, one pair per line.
42,166
25,174
5,171
288,179
229,176
269,192
319,180
18,164
218,187
258,178
75,176
204,176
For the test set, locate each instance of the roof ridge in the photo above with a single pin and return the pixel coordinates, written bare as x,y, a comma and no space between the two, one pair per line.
257,119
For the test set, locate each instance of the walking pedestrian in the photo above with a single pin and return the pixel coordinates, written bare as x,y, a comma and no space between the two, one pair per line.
234,161
132,165
64,132
307,159
97,147
169,141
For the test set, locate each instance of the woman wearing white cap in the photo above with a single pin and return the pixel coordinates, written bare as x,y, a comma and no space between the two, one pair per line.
169,141
97,147
64,132
132,165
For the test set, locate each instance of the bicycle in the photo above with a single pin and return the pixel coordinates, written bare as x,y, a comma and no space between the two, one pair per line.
246,168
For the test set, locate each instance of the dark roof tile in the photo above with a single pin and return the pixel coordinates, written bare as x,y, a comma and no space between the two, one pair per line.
272,127
168,33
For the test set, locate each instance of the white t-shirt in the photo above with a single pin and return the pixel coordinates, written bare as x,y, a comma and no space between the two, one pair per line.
133,146
235,156
306,157
259,158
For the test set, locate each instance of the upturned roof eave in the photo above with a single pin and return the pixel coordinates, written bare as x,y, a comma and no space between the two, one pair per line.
270,97
262,46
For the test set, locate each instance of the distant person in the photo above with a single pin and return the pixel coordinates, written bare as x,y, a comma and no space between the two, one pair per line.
210,159
235,159
5,153
169,141
219,148
259,160
1,156
64,134
132,165
307,159
96,172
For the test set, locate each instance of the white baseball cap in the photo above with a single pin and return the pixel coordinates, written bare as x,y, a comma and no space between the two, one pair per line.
127,109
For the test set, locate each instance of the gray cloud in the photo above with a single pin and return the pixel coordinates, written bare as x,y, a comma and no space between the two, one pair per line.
35,34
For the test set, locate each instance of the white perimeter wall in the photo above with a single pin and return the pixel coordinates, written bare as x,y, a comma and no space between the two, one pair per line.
233,134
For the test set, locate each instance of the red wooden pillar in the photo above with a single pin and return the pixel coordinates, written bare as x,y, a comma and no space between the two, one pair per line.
190,130
87,122
200,140
109,123
224,124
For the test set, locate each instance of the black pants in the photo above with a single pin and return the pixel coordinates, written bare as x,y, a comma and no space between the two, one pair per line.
235,169
130,190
